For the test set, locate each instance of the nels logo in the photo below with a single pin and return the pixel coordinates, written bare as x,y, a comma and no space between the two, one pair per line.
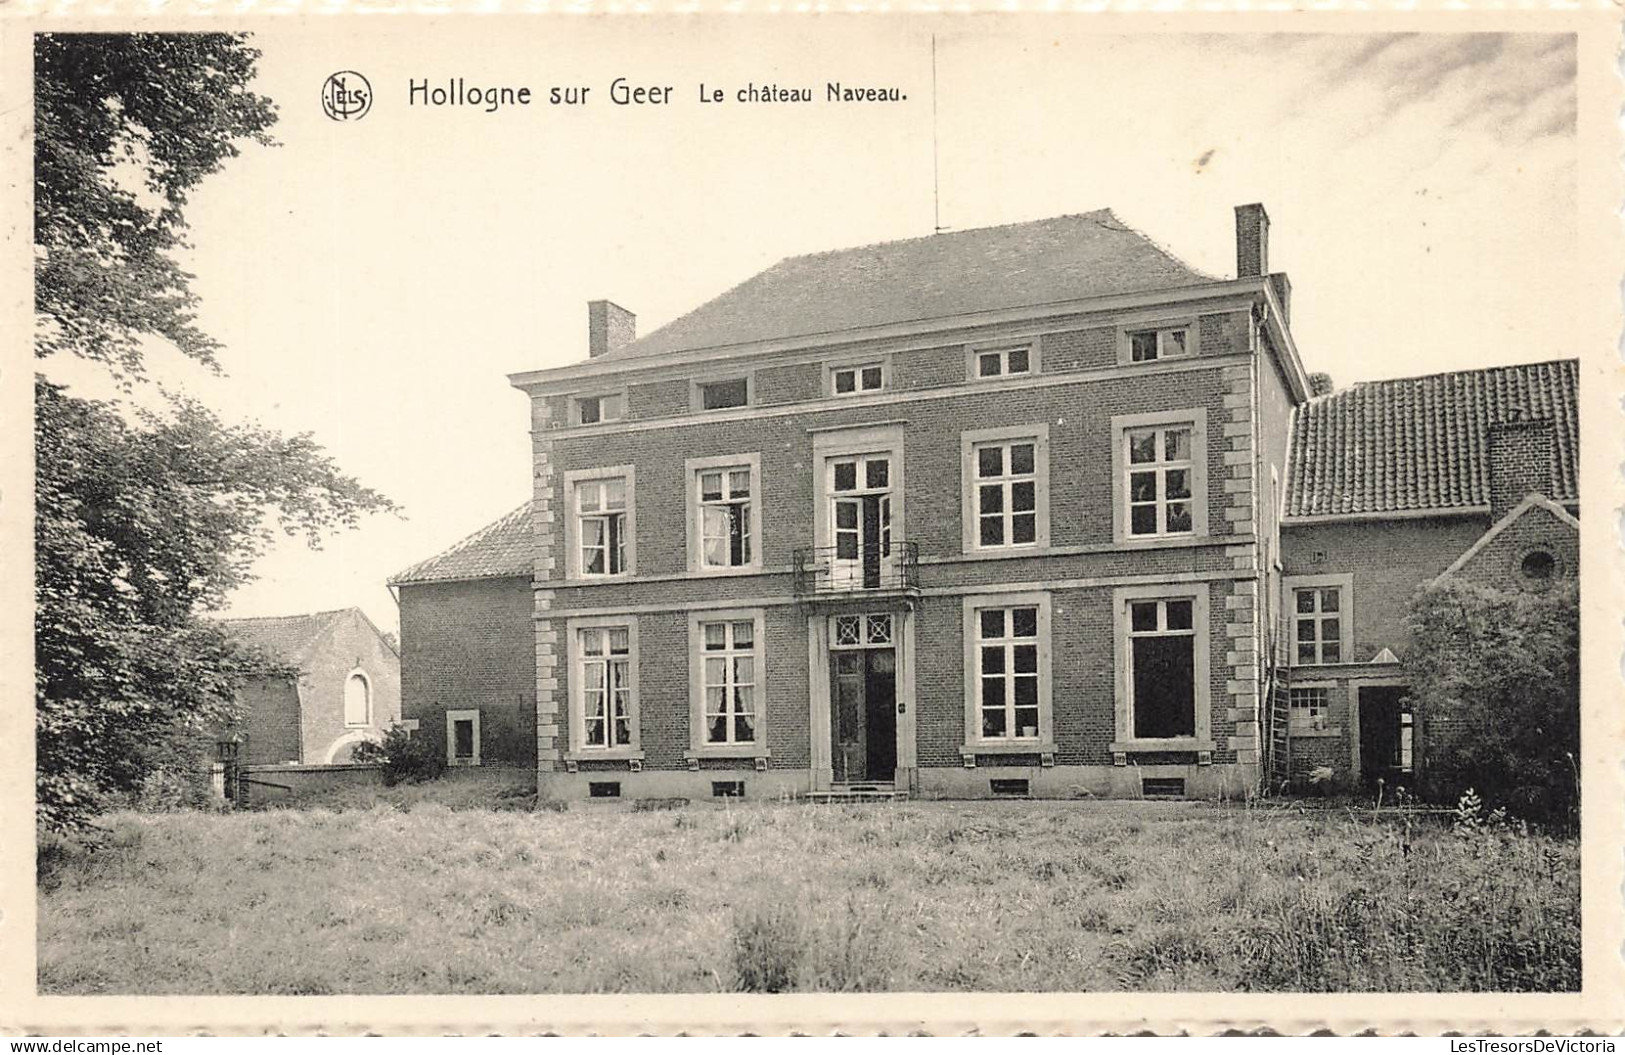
346,96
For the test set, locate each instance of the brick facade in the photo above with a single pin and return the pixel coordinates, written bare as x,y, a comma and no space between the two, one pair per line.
1078,391
352,645
1537,530
270,726
1235,381
471,646
1388,561
302,718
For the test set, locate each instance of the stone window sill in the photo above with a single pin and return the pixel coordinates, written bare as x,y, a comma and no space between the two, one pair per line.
1173,743
617,754
1008,747
729,751
1169,541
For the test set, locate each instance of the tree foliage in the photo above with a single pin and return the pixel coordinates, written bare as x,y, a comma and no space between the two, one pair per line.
125,125
1496,682
145,520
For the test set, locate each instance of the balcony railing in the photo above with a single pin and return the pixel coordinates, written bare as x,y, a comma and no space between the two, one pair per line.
821,571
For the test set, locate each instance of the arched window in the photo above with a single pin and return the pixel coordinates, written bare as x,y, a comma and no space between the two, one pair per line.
357,700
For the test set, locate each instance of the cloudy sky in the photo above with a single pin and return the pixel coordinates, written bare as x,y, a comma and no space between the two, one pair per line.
375,282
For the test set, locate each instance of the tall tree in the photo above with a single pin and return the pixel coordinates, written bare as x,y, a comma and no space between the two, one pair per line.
144,520
125,125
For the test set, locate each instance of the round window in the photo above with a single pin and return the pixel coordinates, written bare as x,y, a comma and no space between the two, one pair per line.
1538,565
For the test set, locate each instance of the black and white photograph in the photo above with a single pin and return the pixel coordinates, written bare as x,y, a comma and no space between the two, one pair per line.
1067,518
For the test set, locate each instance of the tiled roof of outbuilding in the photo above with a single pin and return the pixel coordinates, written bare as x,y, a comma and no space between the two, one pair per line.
1012,266
1415,444
499,550
289,638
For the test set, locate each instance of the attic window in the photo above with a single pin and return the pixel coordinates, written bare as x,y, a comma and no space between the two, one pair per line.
590,410
1001,362
719,395
854,380
1146,346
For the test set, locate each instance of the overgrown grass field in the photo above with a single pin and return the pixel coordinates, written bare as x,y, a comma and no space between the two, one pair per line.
411,896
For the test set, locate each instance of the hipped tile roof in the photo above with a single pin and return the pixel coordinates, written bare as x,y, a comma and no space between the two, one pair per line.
1416,444
498,550
955,273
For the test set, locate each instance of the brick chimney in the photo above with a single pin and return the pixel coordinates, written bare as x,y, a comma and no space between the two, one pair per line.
1252,241
1521,456
609,326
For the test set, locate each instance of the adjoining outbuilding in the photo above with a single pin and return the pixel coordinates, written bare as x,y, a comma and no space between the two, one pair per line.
344,687
468,646
1391,485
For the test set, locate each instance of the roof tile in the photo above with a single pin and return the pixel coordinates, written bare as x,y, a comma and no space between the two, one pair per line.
289,638
955,273
1420,443
499,550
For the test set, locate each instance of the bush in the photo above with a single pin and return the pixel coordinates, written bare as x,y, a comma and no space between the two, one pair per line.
406,759
1496,685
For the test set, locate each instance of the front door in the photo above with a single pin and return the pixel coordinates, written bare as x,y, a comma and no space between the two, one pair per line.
1387,734
863,697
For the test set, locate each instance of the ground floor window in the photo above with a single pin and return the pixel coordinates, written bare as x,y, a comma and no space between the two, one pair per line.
606,686
1162,667
1007,672
727,662
1008,675
1309,711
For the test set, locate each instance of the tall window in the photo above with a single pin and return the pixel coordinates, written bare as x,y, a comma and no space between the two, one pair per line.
1162,668
1147,345
1006,494
1318,613
1159,481
601,525
1007,672
861,494
357,700
725,516
606,686
728,655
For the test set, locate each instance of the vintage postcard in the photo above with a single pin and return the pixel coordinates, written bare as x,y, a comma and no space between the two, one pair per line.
710,521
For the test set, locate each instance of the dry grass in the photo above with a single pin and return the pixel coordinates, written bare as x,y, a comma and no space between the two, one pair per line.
915,896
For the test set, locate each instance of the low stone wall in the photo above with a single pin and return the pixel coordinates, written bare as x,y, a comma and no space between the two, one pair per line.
282,783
